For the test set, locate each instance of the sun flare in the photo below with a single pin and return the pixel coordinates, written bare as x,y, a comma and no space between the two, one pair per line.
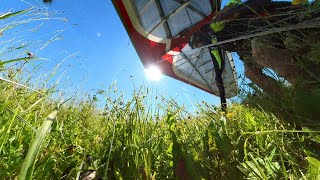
153,73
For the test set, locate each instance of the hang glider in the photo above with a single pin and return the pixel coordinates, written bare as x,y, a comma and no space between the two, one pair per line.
160,32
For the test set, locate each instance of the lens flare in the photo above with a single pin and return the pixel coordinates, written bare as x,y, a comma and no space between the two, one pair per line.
153,73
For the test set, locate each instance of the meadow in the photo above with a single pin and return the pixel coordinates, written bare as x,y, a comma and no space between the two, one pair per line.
150,136
130,140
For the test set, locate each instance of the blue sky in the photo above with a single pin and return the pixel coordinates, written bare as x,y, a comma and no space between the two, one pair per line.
97,47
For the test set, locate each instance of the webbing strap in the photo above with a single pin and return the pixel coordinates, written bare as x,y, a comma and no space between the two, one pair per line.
217,62
216,54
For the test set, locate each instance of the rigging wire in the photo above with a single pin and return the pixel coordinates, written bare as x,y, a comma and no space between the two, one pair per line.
293,14
305,25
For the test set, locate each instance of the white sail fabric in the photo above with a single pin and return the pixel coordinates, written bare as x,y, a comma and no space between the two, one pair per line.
168,18
197,67
164,22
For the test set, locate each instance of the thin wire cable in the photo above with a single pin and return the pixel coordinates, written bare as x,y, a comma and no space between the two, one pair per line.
293,15
33,90
26,87
21,85
308,25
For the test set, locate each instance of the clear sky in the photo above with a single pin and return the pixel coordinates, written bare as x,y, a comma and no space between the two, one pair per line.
98,50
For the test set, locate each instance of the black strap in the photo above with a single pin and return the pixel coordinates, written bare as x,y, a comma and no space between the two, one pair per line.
219,80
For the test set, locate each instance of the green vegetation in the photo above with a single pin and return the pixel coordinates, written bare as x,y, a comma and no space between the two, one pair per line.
130,140
151,137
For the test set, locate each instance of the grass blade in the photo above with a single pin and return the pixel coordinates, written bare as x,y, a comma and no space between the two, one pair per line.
29,162
11,14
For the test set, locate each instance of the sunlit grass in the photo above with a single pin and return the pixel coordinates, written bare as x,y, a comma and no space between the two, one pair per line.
149,137
128,140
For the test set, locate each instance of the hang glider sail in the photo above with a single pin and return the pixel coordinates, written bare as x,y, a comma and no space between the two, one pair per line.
160,32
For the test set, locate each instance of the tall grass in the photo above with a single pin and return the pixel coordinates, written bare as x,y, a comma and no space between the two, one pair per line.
149,137
128,140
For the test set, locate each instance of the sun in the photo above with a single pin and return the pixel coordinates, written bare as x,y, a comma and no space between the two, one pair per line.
153,73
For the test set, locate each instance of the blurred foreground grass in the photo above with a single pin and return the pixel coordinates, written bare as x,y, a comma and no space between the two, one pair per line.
130,140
